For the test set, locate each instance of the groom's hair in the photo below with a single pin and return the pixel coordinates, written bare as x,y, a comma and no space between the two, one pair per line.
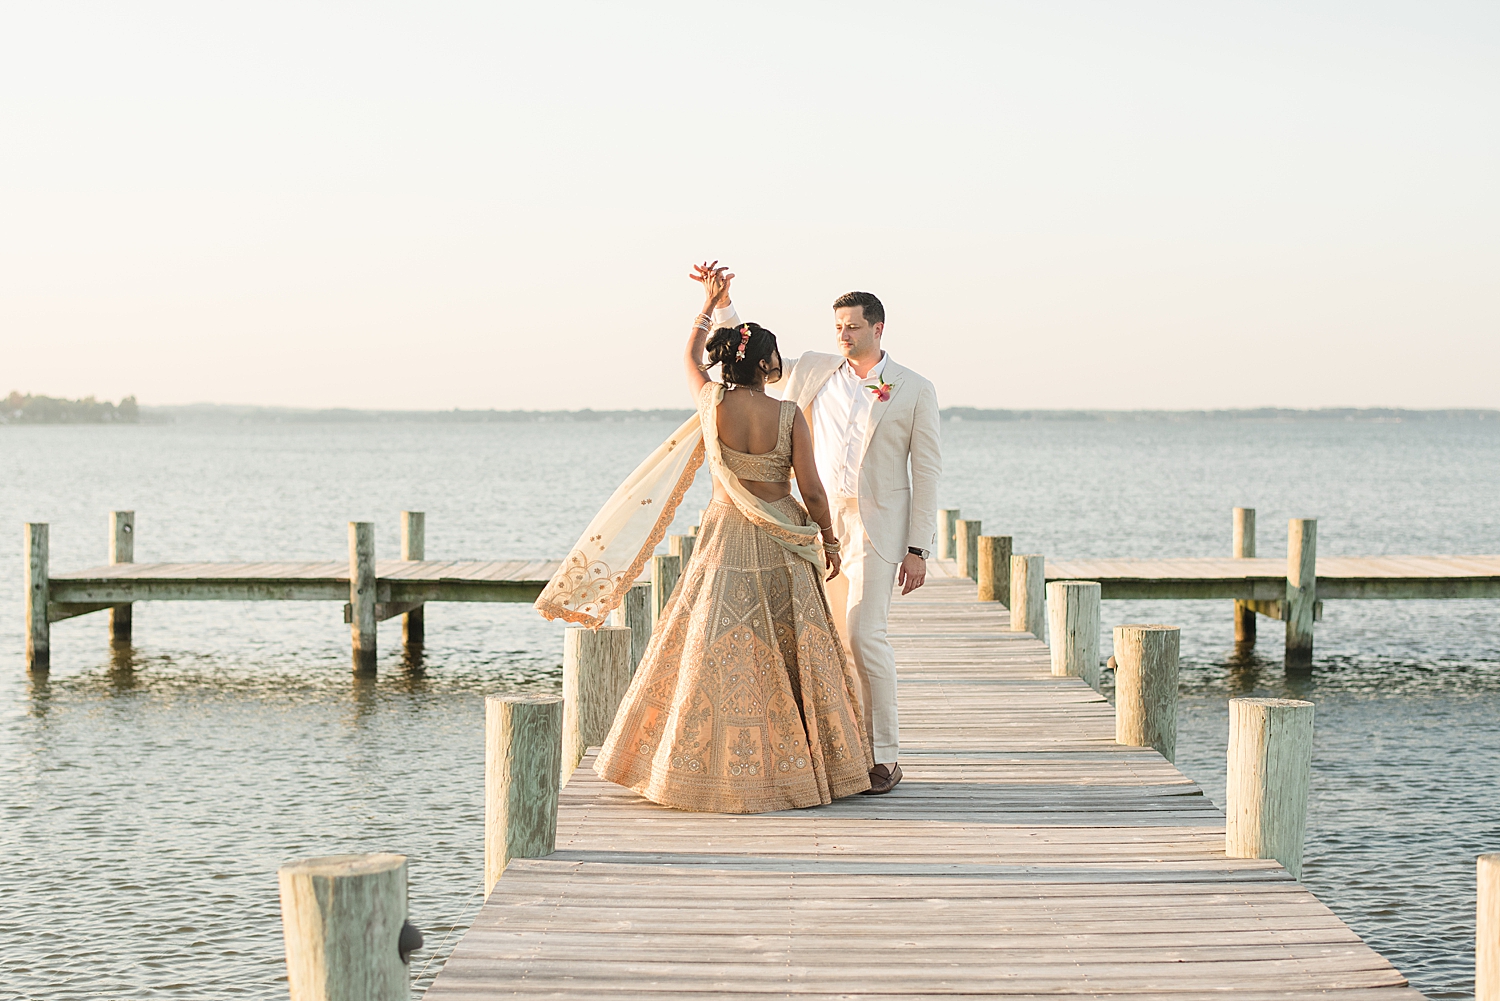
724,344
873,310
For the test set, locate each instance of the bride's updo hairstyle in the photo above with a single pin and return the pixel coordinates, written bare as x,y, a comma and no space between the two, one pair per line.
724,345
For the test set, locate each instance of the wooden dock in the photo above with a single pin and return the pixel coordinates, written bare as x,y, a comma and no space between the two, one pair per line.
1251,579
1291,590
1026,854
397,581
372,590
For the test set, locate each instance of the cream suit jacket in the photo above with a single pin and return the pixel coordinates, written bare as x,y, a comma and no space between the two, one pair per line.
898,509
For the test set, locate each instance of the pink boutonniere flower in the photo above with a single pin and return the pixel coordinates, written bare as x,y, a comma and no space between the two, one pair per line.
882,391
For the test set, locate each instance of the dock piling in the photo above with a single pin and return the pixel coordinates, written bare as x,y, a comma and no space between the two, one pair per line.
966,547
994,568
343,919
1243,547
38,630
664,573
596,672
681,546
362,594
1487,930
1301,590
414,547
1028,595
1270,763
947,519
522,773
1073,618
1146,687
121,550
634,613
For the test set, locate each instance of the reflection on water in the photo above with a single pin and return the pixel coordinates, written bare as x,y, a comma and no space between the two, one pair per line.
148,792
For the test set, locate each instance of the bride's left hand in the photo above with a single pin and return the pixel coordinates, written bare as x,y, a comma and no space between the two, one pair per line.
833,562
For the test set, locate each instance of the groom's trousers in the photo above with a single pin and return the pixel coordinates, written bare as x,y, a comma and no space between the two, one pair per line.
860,597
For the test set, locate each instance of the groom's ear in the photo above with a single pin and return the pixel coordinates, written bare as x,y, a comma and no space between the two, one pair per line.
879,329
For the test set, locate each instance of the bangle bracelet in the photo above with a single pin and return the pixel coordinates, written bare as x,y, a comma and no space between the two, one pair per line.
832,547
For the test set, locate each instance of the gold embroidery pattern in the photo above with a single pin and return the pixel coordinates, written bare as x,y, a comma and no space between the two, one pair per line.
744,700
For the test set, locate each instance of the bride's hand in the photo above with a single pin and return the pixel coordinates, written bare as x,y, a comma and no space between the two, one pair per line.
715,281
833,562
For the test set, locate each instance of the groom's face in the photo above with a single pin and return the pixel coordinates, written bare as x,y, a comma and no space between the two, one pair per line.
857,339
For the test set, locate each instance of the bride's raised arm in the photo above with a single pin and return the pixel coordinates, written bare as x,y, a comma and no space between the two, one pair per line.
715,293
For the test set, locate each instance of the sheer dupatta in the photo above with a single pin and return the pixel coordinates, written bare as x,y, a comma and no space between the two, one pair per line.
606,561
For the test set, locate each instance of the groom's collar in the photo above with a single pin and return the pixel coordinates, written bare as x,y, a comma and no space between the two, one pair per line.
874,373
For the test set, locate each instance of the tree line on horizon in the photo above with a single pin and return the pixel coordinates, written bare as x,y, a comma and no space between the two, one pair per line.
23,408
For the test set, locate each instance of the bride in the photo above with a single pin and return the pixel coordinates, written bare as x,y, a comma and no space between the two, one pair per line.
744,701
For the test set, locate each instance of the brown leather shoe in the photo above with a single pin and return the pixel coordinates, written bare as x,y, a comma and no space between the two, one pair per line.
883,778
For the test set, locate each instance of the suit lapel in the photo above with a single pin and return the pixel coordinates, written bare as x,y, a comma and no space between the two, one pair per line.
892,374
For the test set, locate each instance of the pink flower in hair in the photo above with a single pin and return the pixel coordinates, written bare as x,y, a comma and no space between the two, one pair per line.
744,340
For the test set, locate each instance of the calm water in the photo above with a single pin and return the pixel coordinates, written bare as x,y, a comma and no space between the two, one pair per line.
146,798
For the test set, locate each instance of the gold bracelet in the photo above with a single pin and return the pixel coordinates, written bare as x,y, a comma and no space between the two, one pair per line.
832,547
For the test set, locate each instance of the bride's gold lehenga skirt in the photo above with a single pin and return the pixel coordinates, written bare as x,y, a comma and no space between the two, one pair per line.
744,701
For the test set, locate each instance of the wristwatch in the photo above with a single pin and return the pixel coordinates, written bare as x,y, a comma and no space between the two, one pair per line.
925,554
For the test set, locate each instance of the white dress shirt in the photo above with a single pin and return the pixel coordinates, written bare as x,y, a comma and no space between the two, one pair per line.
841,416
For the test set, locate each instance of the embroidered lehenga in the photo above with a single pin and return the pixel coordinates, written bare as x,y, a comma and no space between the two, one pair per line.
743,701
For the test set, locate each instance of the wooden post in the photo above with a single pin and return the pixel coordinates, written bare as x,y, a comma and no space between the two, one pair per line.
635,614
947,522
342,918
522,765
681,546
1270,762
121,550
1146,687
1244,548
1301,590
414,547
1073,613
1028,595
966,545
994,568
1487,931
362,594
596,672
664,573
38,594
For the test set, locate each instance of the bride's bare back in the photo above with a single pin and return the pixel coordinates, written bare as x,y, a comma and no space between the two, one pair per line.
749,421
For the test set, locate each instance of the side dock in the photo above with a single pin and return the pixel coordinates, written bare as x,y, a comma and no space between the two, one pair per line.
372,590
1291,591
1026,854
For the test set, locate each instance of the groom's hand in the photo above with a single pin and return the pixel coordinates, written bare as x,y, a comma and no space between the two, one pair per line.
913,573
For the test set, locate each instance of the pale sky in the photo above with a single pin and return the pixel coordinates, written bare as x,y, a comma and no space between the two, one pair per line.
433,205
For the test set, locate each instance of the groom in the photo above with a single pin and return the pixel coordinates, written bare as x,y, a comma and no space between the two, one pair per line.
871,419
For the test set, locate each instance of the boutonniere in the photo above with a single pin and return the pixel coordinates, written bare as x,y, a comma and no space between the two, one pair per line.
882,391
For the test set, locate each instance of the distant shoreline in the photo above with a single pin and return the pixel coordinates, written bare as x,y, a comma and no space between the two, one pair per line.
222,413
89,412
